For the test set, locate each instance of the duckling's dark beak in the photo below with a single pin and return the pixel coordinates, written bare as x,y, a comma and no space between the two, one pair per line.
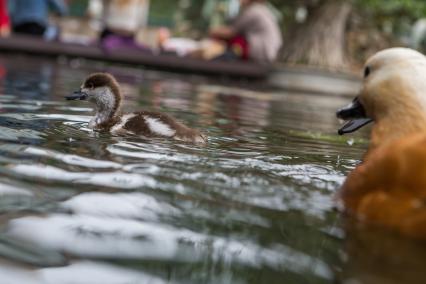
77,95
355,115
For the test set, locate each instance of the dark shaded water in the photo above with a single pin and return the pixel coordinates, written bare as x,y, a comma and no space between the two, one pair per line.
254,206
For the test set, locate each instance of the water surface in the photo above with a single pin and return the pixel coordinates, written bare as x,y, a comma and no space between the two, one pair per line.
253,206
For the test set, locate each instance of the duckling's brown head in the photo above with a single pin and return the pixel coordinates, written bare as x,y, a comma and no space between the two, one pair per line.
101,89
393,95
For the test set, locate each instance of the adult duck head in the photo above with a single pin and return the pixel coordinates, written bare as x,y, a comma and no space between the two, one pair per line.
393,96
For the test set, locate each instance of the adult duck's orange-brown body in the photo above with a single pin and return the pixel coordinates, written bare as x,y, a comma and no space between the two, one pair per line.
388,188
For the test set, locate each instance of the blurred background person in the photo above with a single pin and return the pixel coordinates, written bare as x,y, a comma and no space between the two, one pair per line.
32,16
122,19
254,34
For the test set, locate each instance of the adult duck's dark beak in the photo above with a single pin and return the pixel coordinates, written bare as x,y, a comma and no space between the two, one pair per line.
77,95
355,115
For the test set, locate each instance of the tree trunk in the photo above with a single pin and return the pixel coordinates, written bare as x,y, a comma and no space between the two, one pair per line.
320,41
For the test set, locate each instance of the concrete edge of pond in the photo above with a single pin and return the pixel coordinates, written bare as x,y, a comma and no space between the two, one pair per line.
37,46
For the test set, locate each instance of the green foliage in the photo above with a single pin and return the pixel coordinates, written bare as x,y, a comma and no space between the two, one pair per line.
393,8
161,12
413,9
77,8
394,17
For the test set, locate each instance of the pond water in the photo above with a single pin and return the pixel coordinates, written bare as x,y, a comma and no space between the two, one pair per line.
253,206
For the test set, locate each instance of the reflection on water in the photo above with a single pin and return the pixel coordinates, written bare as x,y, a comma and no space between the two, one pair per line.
253,206
77,273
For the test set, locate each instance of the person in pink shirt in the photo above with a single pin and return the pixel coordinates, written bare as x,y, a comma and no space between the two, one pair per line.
255,34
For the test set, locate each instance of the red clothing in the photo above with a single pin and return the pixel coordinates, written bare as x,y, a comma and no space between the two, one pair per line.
239,46
4,15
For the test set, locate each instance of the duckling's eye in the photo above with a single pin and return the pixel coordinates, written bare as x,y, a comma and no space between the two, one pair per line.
91,86
366,72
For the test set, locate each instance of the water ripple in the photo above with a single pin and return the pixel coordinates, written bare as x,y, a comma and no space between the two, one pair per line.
119,238
108,179
120,205
72,159
78,272
254,205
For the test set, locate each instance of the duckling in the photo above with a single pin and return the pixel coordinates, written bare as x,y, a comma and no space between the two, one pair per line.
103,90
388,188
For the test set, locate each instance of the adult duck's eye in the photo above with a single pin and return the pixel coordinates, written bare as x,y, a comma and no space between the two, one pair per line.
366,72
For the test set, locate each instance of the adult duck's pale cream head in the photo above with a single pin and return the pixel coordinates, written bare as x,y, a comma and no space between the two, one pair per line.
393,96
